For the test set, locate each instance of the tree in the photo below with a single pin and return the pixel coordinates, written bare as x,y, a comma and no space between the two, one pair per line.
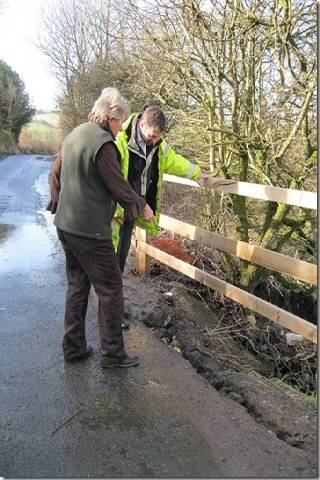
75,38
243,76
237,80
15,107
85,45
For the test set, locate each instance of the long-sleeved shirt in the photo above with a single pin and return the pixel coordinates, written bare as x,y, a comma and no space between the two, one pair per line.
108,166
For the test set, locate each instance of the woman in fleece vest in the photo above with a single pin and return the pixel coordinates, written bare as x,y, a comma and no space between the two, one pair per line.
91,184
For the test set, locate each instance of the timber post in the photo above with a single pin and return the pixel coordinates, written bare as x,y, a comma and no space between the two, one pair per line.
143,260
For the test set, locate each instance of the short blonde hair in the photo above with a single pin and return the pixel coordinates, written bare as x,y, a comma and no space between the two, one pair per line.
110,104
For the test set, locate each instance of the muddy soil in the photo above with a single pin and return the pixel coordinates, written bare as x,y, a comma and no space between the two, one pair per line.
183,321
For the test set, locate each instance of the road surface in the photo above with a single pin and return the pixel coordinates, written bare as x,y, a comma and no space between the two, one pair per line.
160,419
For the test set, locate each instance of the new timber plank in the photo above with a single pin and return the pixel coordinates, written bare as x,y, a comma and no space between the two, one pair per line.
261,256
278,315
289,196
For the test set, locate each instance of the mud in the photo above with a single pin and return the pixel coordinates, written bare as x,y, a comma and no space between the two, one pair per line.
185,323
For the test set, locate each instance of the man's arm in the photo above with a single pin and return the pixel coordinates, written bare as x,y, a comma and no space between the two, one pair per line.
176,164
108,166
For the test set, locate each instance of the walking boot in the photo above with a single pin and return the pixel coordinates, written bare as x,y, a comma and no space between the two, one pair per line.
126,322
124,362
79,356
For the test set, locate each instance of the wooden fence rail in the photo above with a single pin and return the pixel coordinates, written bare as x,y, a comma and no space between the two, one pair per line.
278,315
289,196
272,260
261,256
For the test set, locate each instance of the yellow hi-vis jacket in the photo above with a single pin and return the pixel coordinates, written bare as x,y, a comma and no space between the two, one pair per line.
169,162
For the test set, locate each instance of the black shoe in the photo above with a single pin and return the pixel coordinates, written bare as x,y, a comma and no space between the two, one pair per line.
79,356
125,324
125,362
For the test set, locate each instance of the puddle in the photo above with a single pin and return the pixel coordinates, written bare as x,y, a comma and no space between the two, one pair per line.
41,185
25,247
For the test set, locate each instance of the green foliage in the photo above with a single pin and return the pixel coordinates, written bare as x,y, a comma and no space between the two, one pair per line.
15,107
7,143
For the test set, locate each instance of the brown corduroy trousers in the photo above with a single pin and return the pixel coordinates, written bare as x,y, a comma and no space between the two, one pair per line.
91,261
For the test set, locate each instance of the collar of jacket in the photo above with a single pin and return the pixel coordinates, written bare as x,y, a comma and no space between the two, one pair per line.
127,126
132,143
130,127
106,127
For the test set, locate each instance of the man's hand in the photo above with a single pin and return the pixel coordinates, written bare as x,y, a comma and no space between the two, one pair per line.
203,179
147,213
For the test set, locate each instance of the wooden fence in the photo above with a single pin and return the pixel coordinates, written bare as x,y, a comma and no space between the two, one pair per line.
298,269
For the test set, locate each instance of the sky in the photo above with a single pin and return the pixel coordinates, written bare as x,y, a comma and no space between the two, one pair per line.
19,24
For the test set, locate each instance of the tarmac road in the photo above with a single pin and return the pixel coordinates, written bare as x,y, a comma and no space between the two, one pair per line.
160,419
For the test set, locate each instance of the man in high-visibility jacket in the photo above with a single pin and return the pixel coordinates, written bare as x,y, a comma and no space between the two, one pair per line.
145,157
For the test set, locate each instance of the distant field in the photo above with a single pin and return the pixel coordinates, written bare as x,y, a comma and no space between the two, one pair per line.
41,131
44,126
51,119
41,134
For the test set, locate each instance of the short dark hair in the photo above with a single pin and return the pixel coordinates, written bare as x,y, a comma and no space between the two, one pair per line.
154,117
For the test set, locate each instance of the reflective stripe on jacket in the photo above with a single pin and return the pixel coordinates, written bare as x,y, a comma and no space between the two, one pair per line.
169,162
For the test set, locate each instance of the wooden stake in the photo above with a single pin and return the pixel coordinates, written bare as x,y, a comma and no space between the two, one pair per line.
143,260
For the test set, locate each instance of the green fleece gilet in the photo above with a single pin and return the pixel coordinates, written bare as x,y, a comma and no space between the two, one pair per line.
85,207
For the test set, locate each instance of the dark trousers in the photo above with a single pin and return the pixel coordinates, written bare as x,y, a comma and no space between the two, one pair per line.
90,261
124,244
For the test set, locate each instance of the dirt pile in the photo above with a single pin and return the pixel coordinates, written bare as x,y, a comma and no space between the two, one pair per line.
297,365
239,361
188,326
173,247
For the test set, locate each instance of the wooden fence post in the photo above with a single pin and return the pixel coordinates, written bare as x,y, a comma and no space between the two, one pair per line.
143,260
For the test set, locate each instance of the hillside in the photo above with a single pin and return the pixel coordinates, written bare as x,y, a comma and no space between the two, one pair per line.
41,135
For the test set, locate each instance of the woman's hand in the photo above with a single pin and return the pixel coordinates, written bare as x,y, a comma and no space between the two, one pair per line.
148,213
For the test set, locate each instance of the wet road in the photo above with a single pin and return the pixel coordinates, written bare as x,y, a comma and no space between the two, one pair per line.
158,420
